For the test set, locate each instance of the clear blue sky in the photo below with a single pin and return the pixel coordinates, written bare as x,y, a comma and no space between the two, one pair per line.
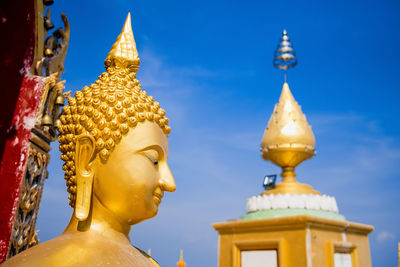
209,64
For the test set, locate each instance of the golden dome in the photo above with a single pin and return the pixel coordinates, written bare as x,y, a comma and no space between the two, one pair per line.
288,125
288,140
287,129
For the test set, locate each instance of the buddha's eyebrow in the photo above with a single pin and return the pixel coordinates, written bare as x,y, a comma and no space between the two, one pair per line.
158,148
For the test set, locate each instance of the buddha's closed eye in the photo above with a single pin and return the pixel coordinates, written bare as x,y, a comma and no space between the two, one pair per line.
152,155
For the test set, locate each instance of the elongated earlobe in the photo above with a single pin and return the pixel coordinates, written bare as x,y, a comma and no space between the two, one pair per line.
84,157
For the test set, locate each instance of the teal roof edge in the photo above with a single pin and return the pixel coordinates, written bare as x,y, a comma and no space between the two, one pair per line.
276,213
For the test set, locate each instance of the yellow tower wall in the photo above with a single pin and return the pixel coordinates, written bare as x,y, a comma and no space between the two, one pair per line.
302,240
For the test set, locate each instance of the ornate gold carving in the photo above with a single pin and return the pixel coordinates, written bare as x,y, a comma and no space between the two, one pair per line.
40,143
56,62
55,55
108,108
24,234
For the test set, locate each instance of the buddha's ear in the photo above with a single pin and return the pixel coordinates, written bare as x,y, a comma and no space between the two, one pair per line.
84,158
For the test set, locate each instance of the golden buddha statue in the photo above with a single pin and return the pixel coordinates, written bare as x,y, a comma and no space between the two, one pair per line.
113,139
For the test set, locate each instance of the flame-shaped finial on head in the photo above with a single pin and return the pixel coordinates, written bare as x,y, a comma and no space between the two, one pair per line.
181,263
123,53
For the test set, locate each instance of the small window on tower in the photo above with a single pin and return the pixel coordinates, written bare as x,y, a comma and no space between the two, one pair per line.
259,258
343,260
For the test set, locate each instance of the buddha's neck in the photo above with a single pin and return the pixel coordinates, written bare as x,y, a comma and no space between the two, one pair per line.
100,220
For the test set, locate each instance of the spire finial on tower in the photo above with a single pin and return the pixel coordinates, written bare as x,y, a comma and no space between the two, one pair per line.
288,140
284,56
123,52
181,263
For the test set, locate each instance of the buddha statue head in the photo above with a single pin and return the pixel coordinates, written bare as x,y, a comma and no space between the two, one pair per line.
113,140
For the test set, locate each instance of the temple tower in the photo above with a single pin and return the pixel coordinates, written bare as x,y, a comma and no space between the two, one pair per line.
291,224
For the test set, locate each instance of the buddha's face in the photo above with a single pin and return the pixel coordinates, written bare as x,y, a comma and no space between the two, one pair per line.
132,182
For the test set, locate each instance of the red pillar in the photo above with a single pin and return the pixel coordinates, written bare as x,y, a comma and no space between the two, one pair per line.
19,99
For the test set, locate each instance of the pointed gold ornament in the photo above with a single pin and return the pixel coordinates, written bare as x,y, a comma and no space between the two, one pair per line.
288,140
124,53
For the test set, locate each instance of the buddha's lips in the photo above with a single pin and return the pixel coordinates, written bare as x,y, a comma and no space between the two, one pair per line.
159,196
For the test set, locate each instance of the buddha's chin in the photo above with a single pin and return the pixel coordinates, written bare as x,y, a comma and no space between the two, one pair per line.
155,211
136,221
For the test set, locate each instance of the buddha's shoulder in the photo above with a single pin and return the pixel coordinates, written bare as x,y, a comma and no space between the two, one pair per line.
74,250
153,261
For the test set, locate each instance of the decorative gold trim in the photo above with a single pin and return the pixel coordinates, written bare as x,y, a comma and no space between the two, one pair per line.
24,235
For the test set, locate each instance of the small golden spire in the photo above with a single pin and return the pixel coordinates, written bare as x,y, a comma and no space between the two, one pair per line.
288,140
181,263
123,52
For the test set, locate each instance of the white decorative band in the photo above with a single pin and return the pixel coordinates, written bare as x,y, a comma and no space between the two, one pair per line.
294,201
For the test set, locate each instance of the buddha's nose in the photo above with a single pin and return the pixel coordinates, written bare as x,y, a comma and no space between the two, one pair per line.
166,182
